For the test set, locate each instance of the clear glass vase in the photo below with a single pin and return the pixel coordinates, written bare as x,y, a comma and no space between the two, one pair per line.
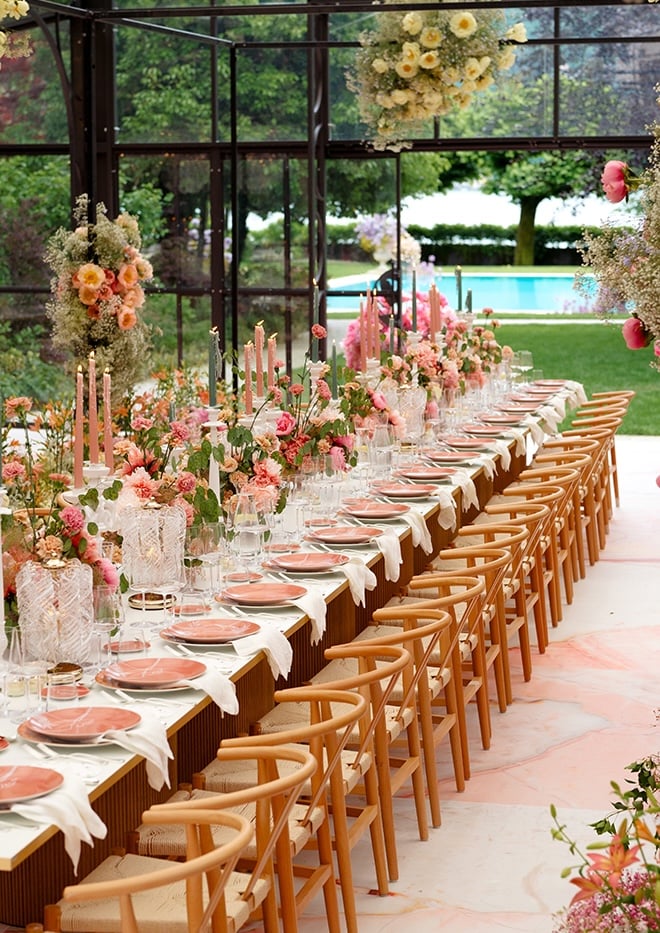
55,610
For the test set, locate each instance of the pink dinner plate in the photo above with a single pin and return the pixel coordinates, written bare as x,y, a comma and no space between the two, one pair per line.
405,490
345,534
462,443
153,672
4,744
425,473
263,594
210,631
520,407
22,782
63,691
483,430
551,383
306,562
365,508
82,724
500,419
450,456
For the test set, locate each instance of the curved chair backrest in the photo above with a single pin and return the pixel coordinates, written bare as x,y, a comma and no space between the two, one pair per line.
215,865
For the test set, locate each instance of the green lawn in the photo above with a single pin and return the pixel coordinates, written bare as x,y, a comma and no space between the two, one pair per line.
596,356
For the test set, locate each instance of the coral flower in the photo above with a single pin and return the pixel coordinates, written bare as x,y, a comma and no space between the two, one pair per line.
89,274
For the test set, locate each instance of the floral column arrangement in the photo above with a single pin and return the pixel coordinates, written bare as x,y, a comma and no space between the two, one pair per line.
97,294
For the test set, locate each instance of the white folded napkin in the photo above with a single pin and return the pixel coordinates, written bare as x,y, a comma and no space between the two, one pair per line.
360,578
390,547
69,809
558,403
577,394
219,687
535,428
274,644
465,481
447,511
420,534
502,448
550,416
520,439
148,739
313,605
488,463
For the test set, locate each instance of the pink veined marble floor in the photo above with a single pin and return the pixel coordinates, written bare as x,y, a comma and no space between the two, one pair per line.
587,712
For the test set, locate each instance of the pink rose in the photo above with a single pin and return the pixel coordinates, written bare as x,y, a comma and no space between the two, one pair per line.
635,334
186,482
319,331
613,180
345,440
379,401
73,519
285,424
109,572
337,458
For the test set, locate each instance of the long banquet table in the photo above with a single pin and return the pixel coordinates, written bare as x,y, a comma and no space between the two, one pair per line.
34,867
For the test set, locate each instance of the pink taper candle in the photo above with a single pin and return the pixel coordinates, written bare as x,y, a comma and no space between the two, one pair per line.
364,331
272,349
107,421
259,358
79,430
248,377
92,415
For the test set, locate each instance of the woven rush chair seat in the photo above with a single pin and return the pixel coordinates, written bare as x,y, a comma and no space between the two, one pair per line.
133,893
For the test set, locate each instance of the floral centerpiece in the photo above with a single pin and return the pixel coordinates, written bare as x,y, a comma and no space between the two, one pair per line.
418,65
625,262
618,877
97,293
377,235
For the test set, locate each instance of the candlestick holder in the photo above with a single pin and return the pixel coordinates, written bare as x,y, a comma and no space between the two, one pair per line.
264,417
372,375
216,429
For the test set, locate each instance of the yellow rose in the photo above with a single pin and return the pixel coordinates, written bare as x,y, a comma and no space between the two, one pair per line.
431,37
517,33
472,69
484,82
463,25
406,69
412,23
400,97
429,60
410,52
450,75
384,100
506,58
380,66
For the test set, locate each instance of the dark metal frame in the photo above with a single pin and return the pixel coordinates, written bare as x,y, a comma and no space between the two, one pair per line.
95,153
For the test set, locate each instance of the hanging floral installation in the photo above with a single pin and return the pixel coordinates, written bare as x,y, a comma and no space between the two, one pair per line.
421,64
13,47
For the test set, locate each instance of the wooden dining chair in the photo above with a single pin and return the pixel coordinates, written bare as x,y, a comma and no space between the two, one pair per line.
357,802
462,598
249,894
425,634
228,780
131,894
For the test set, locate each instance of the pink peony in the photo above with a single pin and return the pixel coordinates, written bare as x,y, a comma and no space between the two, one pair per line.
379,401
613,180
338,459
346,441
109,572
141,483
635,334
267,472
12,471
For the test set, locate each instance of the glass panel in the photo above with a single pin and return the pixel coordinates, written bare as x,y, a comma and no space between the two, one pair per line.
32,104
176,321
163,84
272,94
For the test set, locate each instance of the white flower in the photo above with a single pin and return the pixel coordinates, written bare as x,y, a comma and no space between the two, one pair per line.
431,37
406,69
399,96
380,66
517,33
429,60
450,76
506,58
384,100
412,23
410,52
463,25
472,68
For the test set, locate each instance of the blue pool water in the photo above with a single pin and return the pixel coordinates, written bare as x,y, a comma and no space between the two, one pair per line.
504,291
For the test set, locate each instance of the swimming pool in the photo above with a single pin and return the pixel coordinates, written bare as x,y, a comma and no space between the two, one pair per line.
502,291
